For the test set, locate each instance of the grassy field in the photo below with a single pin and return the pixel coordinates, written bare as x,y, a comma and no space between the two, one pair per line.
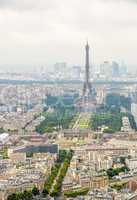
83,121
4,152
72,123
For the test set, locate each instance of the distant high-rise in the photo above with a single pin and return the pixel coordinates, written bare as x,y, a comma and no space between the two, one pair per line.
60,67
115,69
76,72
105,69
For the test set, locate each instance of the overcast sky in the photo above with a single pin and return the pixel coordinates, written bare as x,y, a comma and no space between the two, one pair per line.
36,32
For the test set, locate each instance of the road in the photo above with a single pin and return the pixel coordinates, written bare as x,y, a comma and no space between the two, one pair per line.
124,180
77,122
55,180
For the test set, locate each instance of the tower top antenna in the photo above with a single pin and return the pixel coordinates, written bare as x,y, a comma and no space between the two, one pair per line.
87,44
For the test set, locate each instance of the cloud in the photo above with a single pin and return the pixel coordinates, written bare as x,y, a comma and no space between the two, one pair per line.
46,31
23,5
49,4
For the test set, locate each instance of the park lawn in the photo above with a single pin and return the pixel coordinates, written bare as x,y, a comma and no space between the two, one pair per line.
84,122
73,120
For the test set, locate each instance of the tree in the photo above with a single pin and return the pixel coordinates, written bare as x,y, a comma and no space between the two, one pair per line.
12,197
45,191
35,191
27,195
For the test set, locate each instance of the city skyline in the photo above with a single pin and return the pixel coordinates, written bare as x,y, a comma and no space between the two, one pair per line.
45,32
68,99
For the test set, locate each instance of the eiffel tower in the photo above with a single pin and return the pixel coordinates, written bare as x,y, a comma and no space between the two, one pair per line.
88,90
87,102
87,85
